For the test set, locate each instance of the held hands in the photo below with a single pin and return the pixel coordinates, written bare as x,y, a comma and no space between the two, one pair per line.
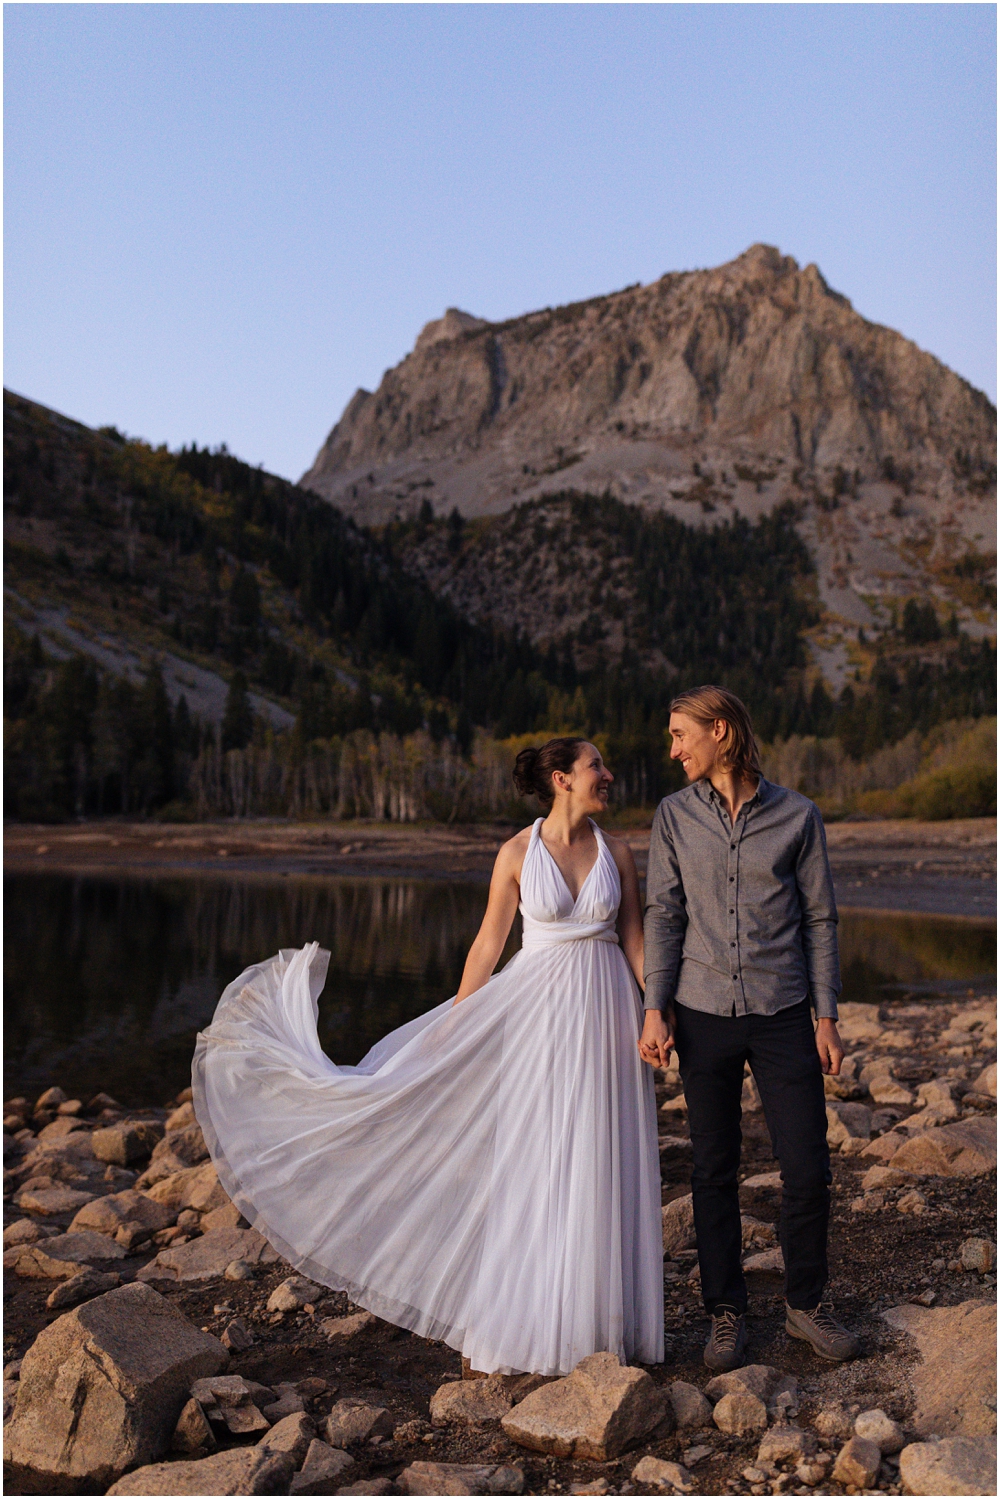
829,1046
657,1039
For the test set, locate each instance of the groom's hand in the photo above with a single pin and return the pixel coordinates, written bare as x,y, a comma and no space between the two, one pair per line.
657,1039
829,1046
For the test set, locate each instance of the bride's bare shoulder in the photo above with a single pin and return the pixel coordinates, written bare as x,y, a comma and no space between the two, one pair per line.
621,849
511,855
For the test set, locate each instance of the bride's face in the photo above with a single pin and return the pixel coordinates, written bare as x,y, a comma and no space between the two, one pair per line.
587,783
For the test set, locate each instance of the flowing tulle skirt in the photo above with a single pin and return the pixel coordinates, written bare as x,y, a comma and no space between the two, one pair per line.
488,1175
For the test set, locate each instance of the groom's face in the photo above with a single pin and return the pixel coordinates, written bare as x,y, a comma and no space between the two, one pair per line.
695,745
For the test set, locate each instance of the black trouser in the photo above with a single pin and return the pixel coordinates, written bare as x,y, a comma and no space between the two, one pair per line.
781,1050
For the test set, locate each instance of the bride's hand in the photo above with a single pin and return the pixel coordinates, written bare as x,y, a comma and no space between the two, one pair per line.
657,1039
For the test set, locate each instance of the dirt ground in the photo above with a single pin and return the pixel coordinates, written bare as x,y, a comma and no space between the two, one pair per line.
943,868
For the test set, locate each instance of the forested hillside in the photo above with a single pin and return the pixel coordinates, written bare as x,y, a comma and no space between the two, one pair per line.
129,570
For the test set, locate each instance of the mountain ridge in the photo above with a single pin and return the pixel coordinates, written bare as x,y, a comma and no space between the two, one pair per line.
706,394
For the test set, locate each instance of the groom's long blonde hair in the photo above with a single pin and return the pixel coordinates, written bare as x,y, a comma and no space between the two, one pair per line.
738,751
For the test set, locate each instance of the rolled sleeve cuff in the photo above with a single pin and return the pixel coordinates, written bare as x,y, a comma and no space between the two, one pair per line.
825,1005
659,991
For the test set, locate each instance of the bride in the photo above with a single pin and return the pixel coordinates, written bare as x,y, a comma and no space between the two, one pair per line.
488,1174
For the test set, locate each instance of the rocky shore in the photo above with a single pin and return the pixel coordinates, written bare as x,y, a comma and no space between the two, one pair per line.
155,1344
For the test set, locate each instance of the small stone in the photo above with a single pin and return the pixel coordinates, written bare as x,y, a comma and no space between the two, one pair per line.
885,1178
979,1255
660,1474
765,1262
83,1287
810,1473
460,1478
925,1298
986,1082
285,1400
738,1414
121,1144
368,1486
857,1463
62,1256
760,1379
293,1294
847,1121
956,1465
784,1444
875,1426
690,1406
694,1455
26,1231
192,1432
338,1329
833,1422
293,1434
322,1468
50,1099
208,1257
237,1336
353,1421
226,1216
596,1486
52,1200
678,1225
471,1402
886,1090
312,1386
240,1270
181,1117
912,1202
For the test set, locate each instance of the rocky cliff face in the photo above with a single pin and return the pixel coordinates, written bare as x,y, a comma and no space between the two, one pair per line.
706,393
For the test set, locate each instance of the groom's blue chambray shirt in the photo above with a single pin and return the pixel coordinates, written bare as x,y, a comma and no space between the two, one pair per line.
740,918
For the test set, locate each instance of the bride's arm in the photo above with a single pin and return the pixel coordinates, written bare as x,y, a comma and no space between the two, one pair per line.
630,910
505,891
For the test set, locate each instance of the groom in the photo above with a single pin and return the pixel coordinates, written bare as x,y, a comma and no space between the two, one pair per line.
741,938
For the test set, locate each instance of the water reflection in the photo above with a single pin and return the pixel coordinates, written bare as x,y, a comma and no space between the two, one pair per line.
107,980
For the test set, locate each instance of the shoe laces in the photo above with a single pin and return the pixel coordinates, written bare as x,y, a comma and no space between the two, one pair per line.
824,1319
726,1328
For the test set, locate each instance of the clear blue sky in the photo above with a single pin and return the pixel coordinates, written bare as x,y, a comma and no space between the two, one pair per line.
220,220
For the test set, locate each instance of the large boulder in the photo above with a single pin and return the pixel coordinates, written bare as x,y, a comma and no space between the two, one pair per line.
965,1148
105,1215
242,1470
596,1412
102,1387
954,1384
206,1258
957,1465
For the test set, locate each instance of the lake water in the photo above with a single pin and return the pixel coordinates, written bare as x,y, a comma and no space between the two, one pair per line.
108,980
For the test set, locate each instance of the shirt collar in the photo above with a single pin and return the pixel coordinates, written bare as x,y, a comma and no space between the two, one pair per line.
707,792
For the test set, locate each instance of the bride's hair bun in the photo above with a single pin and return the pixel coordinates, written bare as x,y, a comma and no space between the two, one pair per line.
533,767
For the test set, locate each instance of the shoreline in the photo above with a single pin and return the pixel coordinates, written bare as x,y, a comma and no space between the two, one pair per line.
936,869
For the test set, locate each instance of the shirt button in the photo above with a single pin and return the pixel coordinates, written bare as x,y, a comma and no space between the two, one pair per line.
732,845
732,910
735,978
732,879
732,944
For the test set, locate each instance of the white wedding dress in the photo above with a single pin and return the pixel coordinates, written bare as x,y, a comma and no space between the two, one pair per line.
488,1175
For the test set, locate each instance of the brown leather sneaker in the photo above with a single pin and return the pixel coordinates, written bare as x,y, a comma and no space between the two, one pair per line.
823,1331
727,1341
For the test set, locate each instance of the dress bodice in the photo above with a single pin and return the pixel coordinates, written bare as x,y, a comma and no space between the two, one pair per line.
548,910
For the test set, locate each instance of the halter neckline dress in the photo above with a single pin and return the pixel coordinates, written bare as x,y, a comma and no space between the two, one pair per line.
488,1175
